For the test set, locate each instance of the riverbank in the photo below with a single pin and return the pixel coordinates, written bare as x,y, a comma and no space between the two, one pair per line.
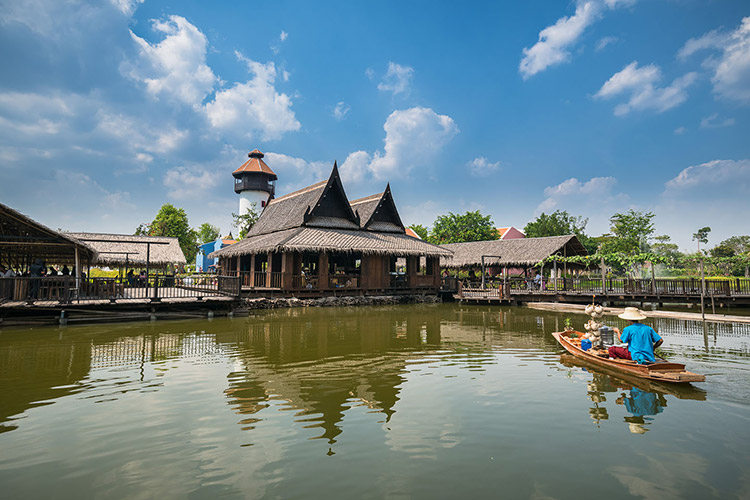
579,308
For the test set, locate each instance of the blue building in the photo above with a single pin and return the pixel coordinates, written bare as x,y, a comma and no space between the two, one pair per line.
202,262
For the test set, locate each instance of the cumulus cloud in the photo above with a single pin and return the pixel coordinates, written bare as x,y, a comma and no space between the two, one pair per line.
254,105
604,42
680,130
413,137
341,110
556,41
295,173
482,167
355,167
175,67
127,7
731,69
573,188
640,84
139,136
396,79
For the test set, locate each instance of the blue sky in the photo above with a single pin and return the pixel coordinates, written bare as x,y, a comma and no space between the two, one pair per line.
110,109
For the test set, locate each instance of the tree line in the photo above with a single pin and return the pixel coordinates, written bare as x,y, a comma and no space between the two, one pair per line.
629,244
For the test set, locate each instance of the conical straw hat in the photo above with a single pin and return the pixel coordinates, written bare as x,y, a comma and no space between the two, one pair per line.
632,313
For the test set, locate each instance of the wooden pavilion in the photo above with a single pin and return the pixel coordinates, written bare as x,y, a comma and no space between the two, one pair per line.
126,250
314,240
521,253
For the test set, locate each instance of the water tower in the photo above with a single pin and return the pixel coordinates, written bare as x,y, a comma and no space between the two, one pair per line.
255,182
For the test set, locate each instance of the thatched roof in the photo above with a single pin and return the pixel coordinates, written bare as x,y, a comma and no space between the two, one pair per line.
309,239
122,249
23,238
516,252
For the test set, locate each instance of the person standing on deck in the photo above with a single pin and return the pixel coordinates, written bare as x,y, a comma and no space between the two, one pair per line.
641,339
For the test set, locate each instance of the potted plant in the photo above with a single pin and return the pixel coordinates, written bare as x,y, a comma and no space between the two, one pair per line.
568,325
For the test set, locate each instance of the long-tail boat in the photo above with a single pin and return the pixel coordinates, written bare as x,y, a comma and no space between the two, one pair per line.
661,370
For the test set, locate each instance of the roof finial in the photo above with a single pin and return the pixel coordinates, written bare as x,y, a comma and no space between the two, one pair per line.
255,153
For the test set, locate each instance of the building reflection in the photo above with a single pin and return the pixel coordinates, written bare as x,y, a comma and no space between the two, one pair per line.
320,365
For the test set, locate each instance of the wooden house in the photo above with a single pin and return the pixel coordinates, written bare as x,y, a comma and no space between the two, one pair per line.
316,240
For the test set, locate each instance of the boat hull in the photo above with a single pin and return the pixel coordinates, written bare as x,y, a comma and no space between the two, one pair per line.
662,371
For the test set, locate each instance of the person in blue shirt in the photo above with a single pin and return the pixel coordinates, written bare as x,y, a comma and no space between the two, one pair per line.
641,339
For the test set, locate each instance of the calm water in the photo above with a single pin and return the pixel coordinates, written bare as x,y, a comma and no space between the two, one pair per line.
430,402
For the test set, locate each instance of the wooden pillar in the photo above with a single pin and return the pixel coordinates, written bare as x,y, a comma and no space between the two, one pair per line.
251,281
287,270
554,266
323,271
237,271
412,266
269,267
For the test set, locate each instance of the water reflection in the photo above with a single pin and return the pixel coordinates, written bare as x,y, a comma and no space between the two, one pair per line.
642,399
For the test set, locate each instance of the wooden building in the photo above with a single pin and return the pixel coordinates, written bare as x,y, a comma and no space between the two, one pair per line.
126,250
517,254
316,240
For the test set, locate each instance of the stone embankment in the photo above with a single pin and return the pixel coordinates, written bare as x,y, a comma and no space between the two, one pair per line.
375,300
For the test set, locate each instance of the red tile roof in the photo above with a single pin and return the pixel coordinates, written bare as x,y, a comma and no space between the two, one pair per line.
255,164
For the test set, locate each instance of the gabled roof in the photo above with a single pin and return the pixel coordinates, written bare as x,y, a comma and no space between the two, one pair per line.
255,164
521,251
321,205
378,212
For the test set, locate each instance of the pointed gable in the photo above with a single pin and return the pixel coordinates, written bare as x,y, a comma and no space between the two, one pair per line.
332,208
379,213
321,205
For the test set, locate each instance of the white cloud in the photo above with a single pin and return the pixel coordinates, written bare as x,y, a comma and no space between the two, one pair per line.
396,79
556,41
680,130
711,40
283,36
604,42
189,181
729,174
731,70
640,84
295,173
596,186
413,137
726,183
137,135
355,167
482,167
127,7
341,110
714,121
254,105
176,66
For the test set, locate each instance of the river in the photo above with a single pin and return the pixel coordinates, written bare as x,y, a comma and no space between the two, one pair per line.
421,401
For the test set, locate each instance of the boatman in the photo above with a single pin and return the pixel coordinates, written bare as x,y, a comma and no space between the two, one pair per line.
641,339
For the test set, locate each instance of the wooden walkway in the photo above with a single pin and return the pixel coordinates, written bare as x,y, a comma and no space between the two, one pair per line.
733,292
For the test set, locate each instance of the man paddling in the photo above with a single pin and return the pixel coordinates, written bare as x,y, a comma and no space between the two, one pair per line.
641,339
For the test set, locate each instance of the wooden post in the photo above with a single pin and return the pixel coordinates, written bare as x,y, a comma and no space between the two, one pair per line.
269,267
237,267
148,262
654,288
251,281
323,271
287,270
604,278
554,265
703,292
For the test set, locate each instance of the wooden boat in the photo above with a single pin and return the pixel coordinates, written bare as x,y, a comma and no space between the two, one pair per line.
663,371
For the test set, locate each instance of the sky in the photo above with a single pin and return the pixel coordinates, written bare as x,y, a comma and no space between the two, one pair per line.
109,109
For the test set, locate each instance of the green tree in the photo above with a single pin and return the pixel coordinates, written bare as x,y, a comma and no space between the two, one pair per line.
172,221
560,223
632,232
245,222
454,228
421,231
740,244
207,232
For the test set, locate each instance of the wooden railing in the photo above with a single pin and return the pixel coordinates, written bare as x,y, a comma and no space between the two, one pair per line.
66,289
344,281
399,281
670,287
